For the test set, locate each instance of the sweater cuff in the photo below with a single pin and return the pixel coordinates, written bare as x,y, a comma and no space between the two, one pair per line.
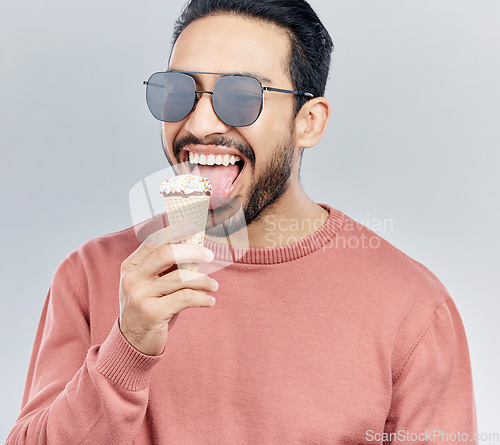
124,365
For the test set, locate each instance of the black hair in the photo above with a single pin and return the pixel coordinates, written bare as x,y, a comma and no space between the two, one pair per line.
310,43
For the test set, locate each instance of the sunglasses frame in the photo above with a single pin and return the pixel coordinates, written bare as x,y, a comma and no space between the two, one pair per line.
263,88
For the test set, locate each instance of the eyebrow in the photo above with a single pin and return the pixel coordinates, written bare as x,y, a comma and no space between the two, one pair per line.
260,77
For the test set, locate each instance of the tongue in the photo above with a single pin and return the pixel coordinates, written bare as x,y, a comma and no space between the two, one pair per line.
219,176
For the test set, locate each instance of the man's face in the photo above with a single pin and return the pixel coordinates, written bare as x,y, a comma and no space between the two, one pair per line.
228,44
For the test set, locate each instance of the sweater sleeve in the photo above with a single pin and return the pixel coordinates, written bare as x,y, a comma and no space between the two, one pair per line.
77,392
433,396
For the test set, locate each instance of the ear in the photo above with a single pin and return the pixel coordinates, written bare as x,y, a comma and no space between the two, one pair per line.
310,123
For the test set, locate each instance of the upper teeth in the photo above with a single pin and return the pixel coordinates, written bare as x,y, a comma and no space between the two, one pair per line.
196,158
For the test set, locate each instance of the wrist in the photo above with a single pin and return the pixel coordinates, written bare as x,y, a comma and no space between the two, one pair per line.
122,363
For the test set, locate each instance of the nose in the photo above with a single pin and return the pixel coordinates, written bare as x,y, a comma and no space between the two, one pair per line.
203,121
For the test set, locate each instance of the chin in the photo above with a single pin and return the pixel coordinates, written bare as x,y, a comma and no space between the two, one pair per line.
226,219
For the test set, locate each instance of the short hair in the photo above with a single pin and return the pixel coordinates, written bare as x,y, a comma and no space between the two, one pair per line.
310,43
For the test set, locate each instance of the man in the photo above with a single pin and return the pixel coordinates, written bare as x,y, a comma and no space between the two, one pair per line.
337,337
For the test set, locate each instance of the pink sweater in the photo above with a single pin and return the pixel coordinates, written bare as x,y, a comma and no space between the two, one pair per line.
337,339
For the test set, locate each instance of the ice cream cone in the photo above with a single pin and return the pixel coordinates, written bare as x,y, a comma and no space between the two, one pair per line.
187,199
189,209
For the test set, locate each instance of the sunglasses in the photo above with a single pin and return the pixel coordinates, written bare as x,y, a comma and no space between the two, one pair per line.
236,99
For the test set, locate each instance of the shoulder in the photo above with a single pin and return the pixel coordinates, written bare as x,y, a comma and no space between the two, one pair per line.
99,259
395,277
106,249
395,293
114,248
91,273
404,296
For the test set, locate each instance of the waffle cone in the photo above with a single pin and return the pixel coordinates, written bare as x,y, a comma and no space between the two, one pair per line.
189,209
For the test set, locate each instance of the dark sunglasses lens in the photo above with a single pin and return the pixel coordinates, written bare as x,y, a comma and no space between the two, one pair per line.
237,100
170,96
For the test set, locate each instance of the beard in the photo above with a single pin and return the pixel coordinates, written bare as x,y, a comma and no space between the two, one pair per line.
264,192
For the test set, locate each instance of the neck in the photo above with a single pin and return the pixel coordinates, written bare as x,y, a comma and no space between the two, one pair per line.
293,217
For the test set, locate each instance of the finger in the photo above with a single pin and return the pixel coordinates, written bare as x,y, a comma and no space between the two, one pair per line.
180,279
186,298
168,235
173,233
167,255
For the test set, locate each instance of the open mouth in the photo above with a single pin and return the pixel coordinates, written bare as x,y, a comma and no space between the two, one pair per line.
221,169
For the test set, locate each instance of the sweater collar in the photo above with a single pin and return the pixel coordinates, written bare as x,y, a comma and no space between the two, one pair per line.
282,254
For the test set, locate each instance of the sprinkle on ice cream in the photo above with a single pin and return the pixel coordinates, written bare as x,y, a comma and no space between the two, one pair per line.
186,185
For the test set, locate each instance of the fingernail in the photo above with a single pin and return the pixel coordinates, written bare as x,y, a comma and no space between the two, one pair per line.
158,237
183,227
189,227
214,283
209,254
212,300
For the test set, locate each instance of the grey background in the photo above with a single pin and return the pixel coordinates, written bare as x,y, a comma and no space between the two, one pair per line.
414,138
